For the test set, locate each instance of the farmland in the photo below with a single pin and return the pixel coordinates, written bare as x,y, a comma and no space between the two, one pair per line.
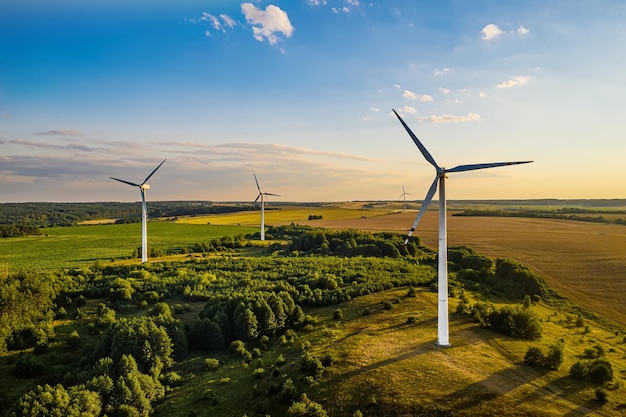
66,247
346,318
584,261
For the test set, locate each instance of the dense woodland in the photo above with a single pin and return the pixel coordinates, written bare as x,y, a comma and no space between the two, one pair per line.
43,214
126,347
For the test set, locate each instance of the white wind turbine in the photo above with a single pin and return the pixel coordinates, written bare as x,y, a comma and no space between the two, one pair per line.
403,195
261,195
440,178
144,213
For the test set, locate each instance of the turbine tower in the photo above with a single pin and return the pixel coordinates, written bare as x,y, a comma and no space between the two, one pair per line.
144,213
440,179
260,196
403,195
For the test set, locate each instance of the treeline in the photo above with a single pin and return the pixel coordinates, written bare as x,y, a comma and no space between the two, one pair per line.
17,231
45,214
574,214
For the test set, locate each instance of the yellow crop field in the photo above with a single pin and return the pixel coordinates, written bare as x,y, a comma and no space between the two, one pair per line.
286,215
583,261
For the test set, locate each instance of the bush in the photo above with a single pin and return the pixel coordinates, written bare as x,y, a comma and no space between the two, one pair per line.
534,356
602,396
555,356
28,366
212,363
338,314
601,371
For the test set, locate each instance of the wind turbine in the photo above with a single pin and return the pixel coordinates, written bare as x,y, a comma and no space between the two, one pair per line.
144,213
440,179
261,195
403,195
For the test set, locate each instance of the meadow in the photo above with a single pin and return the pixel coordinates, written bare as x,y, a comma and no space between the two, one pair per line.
69,247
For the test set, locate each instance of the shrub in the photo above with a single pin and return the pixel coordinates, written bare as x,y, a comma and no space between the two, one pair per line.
602,396
534,356
555,356
212,363
338,314
28,366
601,371
258,373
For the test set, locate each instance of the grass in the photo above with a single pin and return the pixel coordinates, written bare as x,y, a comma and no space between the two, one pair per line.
69,247
385,366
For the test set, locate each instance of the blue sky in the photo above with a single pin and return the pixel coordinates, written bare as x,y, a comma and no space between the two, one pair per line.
300,92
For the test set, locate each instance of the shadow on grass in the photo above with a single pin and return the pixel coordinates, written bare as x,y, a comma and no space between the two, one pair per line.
492,387
415,351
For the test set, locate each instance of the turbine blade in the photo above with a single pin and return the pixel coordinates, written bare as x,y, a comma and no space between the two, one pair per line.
155,170
421,147
257,183
472,167
126,182
277,195
427,200
257,197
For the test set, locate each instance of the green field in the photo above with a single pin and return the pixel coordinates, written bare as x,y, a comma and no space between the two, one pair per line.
67,247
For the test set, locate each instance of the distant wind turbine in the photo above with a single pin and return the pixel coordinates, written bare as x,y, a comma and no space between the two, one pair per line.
440,178
144,213
403,195
261,196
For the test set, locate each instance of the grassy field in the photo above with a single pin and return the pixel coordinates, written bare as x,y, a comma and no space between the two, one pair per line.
67,247
482,373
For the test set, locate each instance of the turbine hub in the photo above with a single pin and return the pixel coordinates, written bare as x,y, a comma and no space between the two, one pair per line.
145,186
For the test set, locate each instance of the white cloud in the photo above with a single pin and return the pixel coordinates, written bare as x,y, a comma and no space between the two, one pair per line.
408,94
491,32
407,110
375,109
482,94
266,23
227,20
344,9
396,85
442,71
449,118
316,2
522,31
515,82
444,90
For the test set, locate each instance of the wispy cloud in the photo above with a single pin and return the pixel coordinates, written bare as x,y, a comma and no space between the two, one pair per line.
71,146
522,31
408,94
250,151
444,90
267,23
449,118
515,82
439,72
62,132
316,2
